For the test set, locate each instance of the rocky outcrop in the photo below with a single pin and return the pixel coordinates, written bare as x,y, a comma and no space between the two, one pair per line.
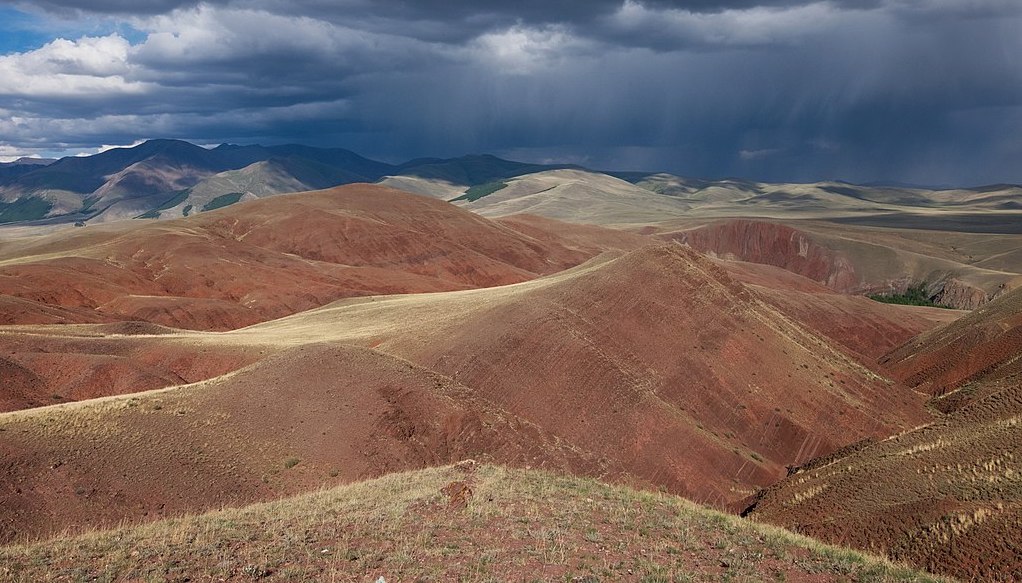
955,293
772,244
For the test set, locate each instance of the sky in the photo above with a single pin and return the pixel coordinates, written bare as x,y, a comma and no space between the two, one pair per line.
923,92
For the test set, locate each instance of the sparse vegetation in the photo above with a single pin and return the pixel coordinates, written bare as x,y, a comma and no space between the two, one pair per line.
24,209
87,203
178,198
480,190
518,524
171,202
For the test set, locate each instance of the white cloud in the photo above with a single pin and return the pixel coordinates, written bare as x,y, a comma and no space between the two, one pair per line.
10,153
88,66
206,36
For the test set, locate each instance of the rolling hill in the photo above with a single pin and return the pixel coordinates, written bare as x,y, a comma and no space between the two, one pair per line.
276,256
600,370
289,343
734,197
961,245
578,196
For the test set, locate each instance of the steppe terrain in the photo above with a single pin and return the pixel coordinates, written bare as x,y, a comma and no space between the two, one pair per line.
577,334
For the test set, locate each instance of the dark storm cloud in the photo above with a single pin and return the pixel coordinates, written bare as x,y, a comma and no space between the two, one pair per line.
530,10
912,90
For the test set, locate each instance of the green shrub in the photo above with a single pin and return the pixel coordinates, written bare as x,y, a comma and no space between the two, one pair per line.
915,295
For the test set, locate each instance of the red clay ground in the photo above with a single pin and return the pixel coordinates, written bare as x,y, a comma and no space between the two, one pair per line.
239,266
305,417
659,367
982,346
21,311
663,347
948,496
655,368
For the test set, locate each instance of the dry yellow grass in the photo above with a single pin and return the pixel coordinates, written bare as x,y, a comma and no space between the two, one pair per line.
518,525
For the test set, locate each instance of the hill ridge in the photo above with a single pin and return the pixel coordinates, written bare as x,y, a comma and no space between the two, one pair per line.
405,525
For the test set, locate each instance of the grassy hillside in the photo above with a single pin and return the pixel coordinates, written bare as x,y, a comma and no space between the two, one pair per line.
453,523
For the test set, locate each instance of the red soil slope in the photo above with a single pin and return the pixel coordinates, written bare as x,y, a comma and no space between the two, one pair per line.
656,367
865,327
242,265
277,256
303,418
984,345
948,496
663,347
21,311
55,364
45,369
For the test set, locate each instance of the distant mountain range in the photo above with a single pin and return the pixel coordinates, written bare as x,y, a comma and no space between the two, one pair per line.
171,178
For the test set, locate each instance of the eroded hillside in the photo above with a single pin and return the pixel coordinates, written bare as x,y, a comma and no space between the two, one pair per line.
947,496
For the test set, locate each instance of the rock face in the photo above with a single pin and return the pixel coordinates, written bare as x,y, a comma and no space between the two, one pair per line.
957,294
772,244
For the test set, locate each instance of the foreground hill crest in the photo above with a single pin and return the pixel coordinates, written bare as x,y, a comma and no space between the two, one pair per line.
517,524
